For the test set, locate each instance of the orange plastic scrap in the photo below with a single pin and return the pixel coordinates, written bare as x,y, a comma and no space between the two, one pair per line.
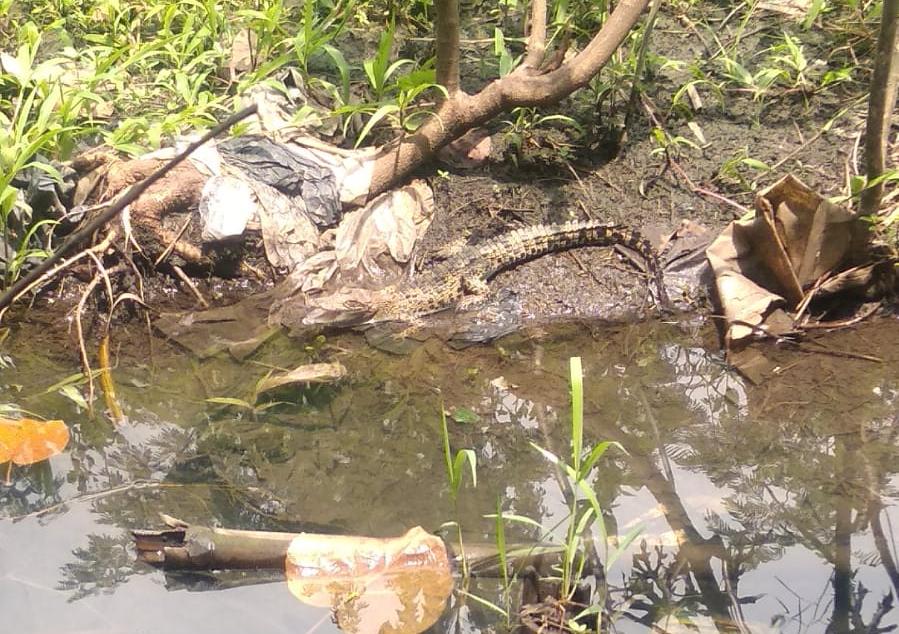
373,585
26,441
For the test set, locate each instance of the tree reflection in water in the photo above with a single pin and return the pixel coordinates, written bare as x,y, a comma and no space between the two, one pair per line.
801,468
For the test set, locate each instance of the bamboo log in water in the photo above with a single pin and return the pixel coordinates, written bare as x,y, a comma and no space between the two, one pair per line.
188,547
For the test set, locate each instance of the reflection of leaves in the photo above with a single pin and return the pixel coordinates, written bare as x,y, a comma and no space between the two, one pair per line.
99,567
660,586
35,489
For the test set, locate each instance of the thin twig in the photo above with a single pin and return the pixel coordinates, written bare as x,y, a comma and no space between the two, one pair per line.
837,353
724,199
845,323
79,330
193,287
98,248
165,253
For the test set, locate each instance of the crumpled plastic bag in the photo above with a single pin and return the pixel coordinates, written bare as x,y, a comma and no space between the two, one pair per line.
371,585
377,238
369,245
772,262
226,207
268,162
391,223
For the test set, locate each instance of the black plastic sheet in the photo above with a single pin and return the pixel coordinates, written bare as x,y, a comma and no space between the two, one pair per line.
266,161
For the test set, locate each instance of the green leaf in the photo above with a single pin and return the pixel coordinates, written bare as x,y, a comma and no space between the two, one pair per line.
499,42
553,458
464,416
812,13
395,67
343,68
378,114
584,521
72,379
499,527
597,509
518,519
577,411
71,392
623,545
422,79
484,602
447,452
595,454
756,164
463,456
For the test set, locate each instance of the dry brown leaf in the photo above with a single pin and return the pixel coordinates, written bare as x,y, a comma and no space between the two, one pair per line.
309,373
768,261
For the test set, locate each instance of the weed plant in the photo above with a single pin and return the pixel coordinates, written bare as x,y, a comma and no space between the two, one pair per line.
583,536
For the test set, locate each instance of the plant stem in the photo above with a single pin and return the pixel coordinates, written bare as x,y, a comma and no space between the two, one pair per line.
880,106
447,28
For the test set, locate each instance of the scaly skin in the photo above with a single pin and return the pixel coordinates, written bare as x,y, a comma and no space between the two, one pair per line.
466,273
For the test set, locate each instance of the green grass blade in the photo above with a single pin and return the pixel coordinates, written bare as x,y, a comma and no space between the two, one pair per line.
577,411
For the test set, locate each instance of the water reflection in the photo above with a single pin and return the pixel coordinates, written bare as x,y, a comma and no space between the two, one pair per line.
764,508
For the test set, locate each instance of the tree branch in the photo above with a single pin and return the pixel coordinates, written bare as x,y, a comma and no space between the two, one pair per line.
552,87
447,27
462,112
880,105
537,37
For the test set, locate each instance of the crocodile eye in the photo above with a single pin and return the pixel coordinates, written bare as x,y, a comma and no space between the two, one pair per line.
354,304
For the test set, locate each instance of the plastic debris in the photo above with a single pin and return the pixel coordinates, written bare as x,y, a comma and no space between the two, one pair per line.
226,206
373,585
289,172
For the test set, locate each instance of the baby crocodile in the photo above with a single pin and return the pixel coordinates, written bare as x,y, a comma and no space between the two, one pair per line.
463,277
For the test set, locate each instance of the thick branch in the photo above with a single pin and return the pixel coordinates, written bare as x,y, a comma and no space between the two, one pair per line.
880,104
462,112
447,26
537,37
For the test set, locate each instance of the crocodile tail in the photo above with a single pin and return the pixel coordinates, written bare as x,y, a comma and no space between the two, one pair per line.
527,243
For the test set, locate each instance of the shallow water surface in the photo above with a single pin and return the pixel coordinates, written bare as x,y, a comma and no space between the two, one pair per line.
763,508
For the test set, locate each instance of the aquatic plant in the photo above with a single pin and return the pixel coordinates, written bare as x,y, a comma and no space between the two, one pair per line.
455,468
585,535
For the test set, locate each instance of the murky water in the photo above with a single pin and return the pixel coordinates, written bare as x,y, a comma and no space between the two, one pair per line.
768,508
